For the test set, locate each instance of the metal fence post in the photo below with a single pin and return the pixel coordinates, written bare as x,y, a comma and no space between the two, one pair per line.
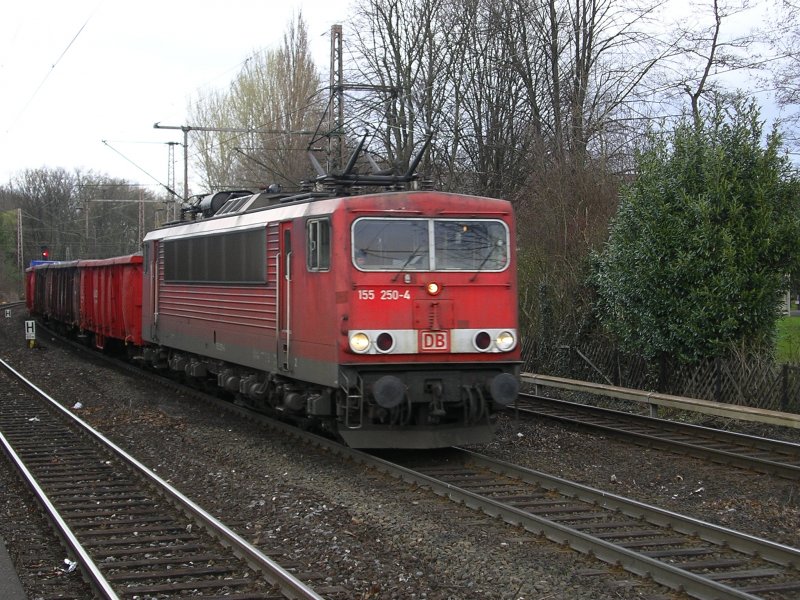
784,387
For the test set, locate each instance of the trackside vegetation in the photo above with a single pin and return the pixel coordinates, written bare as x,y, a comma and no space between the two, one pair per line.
704,242
787,348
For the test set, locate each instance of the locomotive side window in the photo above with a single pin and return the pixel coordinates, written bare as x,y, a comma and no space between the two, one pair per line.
236,257
318,240
430,245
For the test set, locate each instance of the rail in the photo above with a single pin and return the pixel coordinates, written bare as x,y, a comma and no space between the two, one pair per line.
744,451
265,567
655,399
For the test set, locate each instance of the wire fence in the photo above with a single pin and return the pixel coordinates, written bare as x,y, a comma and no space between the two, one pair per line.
744,381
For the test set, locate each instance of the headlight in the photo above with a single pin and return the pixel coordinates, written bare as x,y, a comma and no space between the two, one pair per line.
359,342
505,341
433,288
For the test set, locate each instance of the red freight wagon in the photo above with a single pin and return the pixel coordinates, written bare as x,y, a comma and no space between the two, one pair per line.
30,290
53,292
111,299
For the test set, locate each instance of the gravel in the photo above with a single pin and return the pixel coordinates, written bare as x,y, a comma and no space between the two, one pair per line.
357,533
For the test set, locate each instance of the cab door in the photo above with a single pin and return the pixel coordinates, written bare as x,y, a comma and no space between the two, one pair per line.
284,270
150,285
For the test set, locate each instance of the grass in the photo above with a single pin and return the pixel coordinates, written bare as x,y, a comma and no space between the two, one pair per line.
788,342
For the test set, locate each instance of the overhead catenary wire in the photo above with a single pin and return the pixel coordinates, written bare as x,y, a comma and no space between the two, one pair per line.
171,191
235,134
50,71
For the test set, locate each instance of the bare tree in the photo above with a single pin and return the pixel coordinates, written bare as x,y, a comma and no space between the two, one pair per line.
400,51
714,53
586,63
294,105
495,125
785,69
49,203
215,160
273,98
80,214
500,80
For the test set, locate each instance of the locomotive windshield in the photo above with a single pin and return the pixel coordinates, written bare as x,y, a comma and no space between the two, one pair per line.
430,245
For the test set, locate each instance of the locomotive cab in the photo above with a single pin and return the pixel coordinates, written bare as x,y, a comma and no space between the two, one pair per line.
430,344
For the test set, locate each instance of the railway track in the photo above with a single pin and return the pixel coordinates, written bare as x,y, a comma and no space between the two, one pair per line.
744,451
682,553
130,533
702,559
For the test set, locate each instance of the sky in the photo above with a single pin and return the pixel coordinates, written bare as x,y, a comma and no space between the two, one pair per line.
83,82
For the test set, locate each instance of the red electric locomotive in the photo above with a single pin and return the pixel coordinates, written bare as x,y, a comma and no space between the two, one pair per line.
388,319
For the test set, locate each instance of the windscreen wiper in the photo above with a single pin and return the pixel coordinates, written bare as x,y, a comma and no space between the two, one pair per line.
485,260
411,257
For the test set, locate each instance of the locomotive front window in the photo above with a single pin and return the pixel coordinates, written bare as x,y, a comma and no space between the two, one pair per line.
430,245
471,245
391,244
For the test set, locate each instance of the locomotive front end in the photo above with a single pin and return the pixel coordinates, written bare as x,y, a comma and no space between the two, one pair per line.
430,347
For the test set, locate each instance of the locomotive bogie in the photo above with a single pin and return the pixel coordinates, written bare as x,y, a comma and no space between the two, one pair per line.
258,389
400,402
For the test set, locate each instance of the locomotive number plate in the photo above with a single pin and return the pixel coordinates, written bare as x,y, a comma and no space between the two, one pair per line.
434,341
386,295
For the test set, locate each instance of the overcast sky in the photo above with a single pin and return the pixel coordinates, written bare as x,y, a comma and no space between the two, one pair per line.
74,73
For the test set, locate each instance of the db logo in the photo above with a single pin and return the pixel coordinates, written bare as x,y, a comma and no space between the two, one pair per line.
434,341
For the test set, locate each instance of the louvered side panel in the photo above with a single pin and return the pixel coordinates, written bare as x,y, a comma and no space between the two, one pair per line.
160,274
218,304
248,305
273,250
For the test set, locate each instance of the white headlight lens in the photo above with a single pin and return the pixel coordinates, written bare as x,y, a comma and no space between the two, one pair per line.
433,288
359,342
505,341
